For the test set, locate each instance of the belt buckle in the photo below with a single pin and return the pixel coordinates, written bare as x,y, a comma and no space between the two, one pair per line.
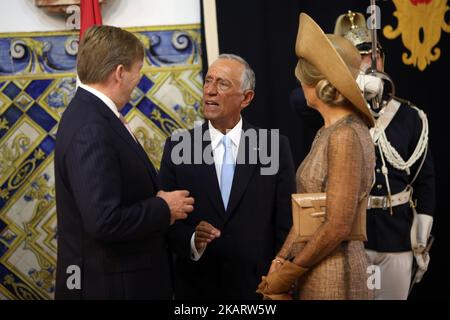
379,202
375,202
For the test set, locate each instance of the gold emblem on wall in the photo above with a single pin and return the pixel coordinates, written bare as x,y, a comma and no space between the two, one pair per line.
420,23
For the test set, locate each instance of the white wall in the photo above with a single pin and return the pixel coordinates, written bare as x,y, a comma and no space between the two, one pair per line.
23,15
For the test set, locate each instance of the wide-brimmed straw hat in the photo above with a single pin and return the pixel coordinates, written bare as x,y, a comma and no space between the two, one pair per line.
314,46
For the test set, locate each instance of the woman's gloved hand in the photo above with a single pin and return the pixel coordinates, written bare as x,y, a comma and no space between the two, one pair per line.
277,284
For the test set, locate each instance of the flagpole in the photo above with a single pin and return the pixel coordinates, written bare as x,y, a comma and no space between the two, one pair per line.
211,34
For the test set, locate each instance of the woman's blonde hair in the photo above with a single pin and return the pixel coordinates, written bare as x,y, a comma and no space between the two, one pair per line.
102,49
309,75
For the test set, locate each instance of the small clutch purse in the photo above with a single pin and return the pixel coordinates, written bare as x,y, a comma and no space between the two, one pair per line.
309,212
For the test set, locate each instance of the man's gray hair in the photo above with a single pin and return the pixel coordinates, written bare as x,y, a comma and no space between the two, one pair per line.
248,75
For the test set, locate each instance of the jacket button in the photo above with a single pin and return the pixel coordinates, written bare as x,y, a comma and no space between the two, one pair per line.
379,186
378,170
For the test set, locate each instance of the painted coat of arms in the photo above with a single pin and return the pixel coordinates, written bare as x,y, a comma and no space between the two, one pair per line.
420,23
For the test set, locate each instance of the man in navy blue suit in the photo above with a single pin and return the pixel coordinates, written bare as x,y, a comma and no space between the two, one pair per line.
112,220
242,198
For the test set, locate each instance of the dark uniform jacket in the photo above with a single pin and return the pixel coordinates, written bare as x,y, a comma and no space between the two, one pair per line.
388,233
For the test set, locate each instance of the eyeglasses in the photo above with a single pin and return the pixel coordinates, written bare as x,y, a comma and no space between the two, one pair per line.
221,84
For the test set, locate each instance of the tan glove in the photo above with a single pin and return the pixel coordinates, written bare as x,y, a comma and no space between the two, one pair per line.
278,283
267,296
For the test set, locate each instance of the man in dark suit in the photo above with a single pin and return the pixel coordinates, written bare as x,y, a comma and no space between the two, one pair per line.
112,221
242,200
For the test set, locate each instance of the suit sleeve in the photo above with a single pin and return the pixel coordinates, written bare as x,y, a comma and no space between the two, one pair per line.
424,185
285,188
180,233
94,172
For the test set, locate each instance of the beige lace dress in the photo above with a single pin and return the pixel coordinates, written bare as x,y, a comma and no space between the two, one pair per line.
340,163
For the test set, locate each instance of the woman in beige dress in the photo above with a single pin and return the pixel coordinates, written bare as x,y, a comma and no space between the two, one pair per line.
340,163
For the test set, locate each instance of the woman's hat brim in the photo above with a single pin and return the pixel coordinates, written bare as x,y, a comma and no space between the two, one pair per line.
314,46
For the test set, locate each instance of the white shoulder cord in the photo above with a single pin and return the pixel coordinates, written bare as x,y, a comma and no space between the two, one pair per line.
394,158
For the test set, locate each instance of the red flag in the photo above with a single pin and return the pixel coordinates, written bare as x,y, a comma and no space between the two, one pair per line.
90,15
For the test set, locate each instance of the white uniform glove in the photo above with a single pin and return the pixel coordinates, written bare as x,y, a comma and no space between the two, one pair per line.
370,86
424,224
420,232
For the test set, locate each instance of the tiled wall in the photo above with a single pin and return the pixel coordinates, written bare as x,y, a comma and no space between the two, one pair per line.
37,80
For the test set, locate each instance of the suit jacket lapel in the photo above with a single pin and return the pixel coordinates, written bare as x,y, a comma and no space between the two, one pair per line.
209,174
122,131
242,173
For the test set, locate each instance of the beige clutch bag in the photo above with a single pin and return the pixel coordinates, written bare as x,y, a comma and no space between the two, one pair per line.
309,212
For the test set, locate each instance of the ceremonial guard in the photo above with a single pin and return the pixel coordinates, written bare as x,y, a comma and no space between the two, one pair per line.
402,199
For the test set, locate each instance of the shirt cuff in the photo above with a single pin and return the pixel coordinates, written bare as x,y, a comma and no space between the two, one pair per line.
195,255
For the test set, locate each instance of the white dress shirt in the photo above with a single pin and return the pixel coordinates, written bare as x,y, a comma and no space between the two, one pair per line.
218,150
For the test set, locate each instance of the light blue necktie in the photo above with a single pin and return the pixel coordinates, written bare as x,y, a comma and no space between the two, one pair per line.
226,176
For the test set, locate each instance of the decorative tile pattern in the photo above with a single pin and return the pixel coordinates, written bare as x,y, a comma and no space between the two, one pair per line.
37,81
